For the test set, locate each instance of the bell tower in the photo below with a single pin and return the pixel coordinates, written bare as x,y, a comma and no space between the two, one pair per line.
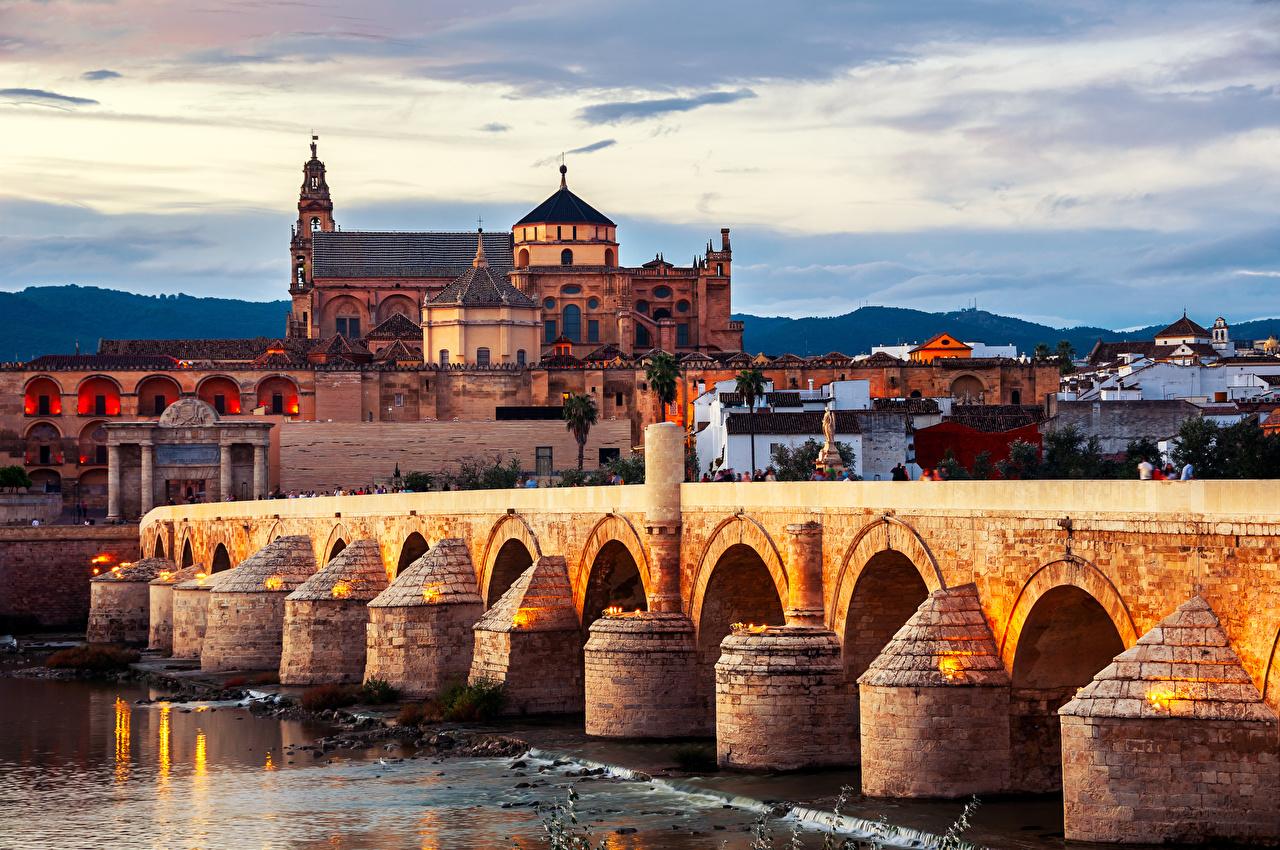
315,215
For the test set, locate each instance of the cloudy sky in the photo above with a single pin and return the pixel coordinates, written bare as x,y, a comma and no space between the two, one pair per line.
1095,162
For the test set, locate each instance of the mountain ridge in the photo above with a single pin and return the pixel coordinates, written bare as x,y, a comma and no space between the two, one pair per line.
54,319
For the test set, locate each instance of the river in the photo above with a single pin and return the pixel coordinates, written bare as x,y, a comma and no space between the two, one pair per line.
82,765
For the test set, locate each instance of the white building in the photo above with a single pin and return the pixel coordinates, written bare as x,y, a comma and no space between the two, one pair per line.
977,349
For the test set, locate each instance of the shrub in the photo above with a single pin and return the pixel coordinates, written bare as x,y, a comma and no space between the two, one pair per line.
481,700
96,657
695,758
411,714
378,692
236,682
325,697
14,476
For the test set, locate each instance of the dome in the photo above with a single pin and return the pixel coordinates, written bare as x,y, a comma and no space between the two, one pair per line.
564,207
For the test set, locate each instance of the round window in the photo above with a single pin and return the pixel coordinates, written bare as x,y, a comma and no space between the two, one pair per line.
549,303
571,289
662,292
593,303
682,306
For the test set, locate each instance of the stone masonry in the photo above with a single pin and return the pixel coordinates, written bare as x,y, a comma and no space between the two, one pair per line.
531,643
939,678
781,700
1172,743
120,603
245,626
191,612
639,677
419,636
160,631
326,618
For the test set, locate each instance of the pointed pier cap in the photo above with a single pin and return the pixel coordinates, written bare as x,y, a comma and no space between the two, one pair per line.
443,576
144,570
540,600
279,567
356,574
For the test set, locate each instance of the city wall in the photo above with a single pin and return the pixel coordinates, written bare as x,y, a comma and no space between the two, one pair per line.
45,571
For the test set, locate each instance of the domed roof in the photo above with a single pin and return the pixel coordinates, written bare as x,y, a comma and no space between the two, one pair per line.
564,207
481,286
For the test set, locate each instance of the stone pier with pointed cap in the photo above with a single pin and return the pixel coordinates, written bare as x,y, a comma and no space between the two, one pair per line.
934,705
120,602
530,642
245,625
160,594
1172,743
420,637
325,619
191,612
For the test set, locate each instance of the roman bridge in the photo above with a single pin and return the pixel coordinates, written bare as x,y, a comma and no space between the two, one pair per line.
1018,593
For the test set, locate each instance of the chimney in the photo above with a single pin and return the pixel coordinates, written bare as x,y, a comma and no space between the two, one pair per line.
724,239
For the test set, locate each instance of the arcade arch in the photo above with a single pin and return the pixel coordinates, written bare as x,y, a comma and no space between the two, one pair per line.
155,393
413,548
42,397
221,559
98,395
221,393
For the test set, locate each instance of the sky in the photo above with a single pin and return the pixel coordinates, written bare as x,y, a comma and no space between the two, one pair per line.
1101,162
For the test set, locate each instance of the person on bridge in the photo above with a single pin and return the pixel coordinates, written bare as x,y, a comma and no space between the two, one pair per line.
1188,472
1145,469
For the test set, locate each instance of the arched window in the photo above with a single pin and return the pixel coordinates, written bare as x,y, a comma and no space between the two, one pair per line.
315,224
573,322
608,257
315,182
719,269
482,357
566,257
521,357
444,357
43,397
522,258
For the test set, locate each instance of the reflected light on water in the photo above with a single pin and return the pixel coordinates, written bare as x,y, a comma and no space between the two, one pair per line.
201,767
123,718
163,758
270,765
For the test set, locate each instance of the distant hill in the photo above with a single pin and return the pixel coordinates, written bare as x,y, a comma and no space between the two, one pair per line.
51,319
857,332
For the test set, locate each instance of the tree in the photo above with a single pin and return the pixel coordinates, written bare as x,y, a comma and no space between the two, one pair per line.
1041,352
750,385
579,413
13,477
1063,355
799,463
662,375
418,482
1196,444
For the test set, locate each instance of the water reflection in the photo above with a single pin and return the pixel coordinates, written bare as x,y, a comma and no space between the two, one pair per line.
123,718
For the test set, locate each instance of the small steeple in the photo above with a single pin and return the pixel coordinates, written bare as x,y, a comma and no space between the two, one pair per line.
564,169
479,262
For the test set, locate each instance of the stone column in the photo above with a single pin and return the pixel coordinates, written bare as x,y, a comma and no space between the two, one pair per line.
224,471
259,472
782,701
148,484
804,573
113,481
641,668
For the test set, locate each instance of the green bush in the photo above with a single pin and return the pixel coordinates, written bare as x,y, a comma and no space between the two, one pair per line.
96,657
419,482
378,692
696,758
324,697
14,476
481,700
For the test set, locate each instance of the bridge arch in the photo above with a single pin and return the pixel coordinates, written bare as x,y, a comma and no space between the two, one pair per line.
737,530
413,547
220,558
1067,624
157,549
612,536
511,548
334,543
1271,676
185,549
886,534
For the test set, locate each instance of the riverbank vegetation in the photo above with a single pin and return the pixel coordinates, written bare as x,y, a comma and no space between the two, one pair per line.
93,658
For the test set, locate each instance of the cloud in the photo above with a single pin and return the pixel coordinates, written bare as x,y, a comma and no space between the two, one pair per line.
638,110
495,127
585,149
40,97
101,74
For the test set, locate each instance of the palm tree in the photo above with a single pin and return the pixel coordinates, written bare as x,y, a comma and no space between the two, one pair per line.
1064,353
750,385
662,374
579,413
1041,352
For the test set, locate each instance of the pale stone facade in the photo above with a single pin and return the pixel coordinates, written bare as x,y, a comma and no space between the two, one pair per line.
120,602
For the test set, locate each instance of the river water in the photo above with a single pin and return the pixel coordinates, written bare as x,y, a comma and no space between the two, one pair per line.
83,766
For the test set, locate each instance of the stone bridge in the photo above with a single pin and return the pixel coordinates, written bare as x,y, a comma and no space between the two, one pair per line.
1018,594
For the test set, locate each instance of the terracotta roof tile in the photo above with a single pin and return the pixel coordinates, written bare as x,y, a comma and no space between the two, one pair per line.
395,326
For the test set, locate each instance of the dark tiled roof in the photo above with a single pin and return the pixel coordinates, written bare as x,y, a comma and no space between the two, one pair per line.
564,207
782,398
606,352
790,423
482,286
905,405
399,351
880,358
198,349
396,326
354,254
339,348
995,418
1109,352
102,361
1183,327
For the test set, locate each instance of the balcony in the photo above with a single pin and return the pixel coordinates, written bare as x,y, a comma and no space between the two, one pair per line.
37,458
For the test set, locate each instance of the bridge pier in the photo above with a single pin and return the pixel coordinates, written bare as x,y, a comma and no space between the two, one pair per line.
244,629
641,669
782,701
120,602
935,705
420,636
1172,743
160,629
531,643
326,618
191,612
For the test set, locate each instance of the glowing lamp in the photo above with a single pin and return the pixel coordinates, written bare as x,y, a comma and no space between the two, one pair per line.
431,594
273,583
1160,698
613,611
520,619
341,590
949,667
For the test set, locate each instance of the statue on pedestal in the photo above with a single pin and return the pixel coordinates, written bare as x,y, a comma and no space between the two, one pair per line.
829,457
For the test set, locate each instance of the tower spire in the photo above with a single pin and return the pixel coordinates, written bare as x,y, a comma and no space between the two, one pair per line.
479,262
564,169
